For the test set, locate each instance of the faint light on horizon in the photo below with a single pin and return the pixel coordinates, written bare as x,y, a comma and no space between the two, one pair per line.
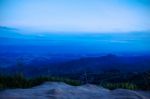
76,16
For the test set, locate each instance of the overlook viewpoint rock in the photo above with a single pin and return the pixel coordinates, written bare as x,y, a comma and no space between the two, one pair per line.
59,90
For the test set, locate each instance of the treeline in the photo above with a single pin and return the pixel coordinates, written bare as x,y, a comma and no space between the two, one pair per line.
19,81
110,80
132,81
114,79
124,85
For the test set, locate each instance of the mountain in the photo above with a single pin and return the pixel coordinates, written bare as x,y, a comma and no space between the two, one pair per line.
9,32
76,43
46,66
16,44
107,62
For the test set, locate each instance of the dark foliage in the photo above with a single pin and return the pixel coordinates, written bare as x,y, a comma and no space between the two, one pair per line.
19,81
111,79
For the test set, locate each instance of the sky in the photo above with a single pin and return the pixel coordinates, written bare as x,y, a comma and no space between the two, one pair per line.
76,15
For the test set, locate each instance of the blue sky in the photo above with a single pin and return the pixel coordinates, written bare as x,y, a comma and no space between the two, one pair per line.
76,15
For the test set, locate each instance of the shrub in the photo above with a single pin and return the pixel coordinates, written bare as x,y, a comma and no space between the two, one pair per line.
124,85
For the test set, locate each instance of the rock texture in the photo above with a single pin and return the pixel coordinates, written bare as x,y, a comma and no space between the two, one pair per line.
55,90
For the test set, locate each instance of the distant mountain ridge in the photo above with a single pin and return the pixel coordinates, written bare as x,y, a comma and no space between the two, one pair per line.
90,64
13,33
6,32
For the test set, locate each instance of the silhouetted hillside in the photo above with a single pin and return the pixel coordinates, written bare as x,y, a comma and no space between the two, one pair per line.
46,66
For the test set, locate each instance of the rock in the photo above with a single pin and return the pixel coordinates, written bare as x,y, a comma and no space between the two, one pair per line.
56,90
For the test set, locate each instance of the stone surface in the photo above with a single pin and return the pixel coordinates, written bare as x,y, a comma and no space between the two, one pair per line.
55,90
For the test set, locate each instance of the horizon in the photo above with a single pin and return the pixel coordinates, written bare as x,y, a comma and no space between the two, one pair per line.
122,43
77,26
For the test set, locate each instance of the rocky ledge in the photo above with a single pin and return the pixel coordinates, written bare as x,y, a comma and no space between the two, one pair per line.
58,90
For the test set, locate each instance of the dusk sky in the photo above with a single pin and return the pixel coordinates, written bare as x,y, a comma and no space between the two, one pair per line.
76,15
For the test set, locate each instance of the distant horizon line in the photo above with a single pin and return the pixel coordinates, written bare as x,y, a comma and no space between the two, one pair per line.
45,31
